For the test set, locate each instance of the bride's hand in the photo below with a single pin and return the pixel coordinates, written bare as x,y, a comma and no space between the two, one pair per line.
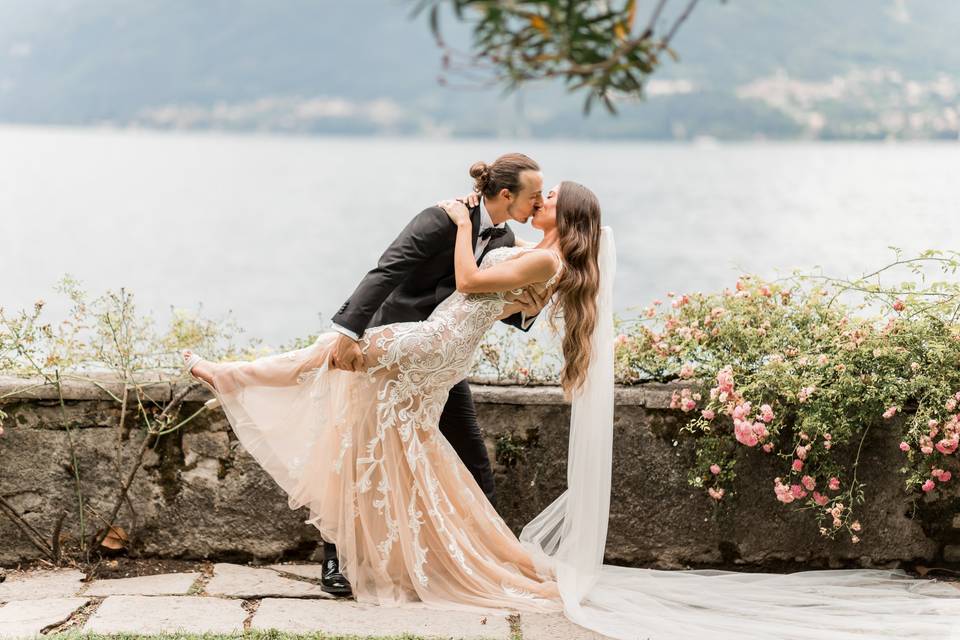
472,199
457,211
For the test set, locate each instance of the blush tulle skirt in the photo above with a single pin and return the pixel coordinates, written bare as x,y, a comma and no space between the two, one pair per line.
364,455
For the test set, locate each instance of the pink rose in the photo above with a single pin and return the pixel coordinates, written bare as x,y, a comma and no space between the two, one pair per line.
819,498
741,410
686,371
898,305
889,413
808,483
725,379
950,404
928,486
743,432
797,491
834,483
767,448
714,469
708,414
941,475
766,413
904,446
948,446
797,465
783,492
760,430
716,494
765,291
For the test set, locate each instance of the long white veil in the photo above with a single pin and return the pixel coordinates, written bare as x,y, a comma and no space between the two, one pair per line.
569,536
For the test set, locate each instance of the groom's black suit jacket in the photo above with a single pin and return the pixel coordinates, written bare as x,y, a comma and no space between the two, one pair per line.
414,274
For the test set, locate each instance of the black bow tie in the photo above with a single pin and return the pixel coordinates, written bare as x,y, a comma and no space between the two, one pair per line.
492,232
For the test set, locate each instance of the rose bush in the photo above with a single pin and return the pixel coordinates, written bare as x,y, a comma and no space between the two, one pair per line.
793,369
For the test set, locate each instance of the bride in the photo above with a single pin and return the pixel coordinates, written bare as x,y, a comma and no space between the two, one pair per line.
363,452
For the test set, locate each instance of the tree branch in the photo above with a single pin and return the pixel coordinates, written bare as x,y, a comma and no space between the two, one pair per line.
653,19
676,25
32,534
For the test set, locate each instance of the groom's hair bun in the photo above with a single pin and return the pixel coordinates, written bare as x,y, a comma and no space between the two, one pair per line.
504,173
480,172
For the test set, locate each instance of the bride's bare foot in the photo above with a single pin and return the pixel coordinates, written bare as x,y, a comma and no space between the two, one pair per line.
203,370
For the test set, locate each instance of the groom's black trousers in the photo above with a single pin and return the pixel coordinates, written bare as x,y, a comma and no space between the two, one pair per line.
458,424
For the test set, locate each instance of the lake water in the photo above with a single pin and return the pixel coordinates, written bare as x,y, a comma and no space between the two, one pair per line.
280,230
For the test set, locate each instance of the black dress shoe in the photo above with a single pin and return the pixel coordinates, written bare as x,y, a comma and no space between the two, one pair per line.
332,581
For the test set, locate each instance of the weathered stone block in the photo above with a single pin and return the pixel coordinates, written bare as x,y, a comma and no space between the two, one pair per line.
205,444
351,618
58,583
238,581
150,615
27,618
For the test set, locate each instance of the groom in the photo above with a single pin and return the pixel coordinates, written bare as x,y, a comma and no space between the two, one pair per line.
414,275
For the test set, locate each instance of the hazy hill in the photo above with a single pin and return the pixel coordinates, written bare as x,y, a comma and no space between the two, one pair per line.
779,68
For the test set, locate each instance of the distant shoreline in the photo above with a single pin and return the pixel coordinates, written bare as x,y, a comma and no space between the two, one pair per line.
699,141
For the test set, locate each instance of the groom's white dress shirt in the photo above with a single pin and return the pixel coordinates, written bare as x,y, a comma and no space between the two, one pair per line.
485,223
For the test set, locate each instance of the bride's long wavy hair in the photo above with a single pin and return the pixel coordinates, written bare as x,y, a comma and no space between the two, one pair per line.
578,230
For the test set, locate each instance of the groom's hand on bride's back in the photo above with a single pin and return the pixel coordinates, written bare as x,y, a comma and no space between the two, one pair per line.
345,355
533,301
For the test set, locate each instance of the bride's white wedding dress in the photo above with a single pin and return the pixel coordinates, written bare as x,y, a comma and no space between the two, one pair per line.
363,452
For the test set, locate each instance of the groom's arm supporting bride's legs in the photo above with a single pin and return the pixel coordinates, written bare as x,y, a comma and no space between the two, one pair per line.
423,237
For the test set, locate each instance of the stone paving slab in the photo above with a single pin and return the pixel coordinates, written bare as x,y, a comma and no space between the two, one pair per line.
351,618
25,618
56,583
167,614
237,581
312,571
165,584
552,626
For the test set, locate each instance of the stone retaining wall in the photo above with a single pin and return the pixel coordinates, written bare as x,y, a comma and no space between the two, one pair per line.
200,495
